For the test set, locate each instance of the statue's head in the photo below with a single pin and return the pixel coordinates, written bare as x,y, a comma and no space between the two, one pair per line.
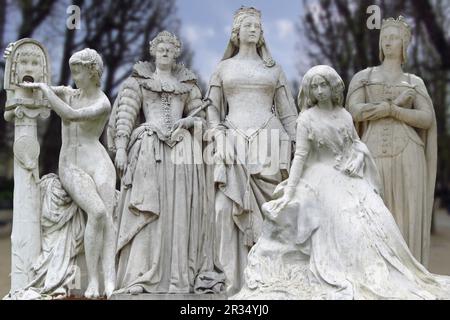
29,64
26,61
86,67
321,83
395,37
247,27
165,48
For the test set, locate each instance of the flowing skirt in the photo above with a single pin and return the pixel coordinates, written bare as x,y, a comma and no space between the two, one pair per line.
242,187
335,240
165,242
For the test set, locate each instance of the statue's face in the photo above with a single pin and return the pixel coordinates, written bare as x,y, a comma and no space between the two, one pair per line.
81,76
391,42
320,89
250,30
29,68
165,54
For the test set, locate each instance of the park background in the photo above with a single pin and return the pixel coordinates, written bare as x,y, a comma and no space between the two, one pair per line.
300,34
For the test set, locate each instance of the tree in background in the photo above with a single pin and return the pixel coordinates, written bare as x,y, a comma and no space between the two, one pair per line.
119,30
335,32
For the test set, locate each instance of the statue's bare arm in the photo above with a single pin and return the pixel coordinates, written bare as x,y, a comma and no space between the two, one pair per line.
66,112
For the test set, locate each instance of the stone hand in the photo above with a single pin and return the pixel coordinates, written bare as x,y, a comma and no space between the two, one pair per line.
275,206
354,165
121,160
224,153
404,98
34,85
185,123
8,50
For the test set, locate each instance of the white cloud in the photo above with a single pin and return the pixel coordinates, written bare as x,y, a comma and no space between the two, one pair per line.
227,29
194,34
285,28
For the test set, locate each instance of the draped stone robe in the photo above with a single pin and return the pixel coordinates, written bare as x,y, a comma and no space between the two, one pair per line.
165,228
405,150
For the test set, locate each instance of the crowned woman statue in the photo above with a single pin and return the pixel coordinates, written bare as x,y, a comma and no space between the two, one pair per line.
165,241
396,120
328,234
252,113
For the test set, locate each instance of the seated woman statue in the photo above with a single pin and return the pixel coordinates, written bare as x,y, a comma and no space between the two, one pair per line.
328,235
86,171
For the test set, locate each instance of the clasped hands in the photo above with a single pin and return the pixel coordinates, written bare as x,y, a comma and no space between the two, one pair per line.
388,109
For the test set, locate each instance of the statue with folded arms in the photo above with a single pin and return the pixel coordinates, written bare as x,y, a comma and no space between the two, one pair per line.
395,117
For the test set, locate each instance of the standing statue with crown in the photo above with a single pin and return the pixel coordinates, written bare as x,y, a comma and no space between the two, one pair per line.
395,118
253,117
165,240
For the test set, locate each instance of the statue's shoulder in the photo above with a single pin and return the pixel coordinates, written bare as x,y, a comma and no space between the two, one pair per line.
359,80
143,70
223,65
363,75
184,74
416,80
305,116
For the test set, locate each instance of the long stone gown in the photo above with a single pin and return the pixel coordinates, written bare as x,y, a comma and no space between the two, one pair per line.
405,152
263,156
165,233
336,239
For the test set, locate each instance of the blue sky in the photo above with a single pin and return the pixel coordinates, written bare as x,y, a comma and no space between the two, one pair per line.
206,25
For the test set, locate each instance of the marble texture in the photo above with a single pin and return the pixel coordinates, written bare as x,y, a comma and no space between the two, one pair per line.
165,235
396,119
26,60
86,182
328,234
253,118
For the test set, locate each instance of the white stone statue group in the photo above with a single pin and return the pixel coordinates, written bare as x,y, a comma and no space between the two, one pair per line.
348,219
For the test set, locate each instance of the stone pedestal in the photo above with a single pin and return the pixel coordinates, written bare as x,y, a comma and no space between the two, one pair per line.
25,236
25,61
160,297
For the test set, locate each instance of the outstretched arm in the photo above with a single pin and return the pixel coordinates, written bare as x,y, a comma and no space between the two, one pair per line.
65,111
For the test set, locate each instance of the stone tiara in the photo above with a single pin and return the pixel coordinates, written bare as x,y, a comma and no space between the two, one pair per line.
399,23
247,11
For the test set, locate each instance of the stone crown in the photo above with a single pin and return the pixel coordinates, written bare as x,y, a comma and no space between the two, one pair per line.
399,23
247,11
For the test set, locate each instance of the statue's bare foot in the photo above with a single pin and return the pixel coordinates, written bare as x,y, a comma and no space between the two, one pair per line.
92,291
136,290
109,288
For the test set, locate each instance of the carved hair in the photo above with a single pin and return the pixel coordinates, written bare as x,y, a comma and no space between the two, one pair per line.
165,37
307,100
31,51
91,59
405,33
239,17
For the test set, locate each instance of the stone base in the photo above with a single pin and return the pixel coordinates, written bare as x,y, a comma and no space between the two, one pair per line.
168,296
